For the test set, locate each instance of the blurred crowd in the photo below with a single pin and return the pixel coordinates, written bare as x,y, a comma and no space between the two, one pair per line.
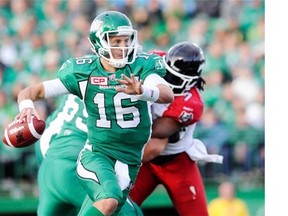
38,36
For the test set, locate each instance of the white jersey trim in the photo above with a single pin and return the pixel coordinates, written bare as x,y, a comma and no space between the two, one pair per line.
54,88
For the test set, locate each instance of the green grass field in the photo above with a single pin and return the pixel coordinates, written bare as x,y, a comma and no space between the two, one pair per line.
157,202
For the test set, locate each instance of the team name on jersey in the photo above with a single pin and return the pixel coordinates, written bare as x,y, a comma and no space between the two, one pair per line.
99,80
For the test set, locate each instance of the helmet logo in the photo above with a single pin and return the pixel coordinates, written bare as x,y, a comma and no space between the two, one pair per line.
96,25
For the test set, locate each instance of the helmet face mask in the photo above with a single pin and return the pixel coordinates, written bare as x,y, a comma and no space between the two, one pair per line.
183,62
107,25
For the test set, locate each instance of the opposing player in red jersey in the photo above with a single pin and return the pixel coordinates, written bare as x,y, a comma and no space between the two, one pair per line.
168,160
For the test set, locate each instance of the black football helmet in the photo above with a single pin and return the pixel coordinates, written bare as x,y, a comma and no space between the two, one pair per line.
184,62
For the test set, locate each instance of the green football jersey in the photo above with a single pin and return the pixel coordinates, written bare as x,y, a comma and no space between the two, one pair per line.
119,124
66,131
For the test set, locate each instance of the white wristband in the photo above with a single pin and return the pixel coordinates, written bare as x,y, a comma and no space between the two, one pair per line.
26,104
149,93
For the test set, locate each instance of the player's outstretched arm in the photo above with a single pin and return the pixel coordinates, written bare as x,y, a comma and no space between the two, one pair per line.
158,92
165,94
163,128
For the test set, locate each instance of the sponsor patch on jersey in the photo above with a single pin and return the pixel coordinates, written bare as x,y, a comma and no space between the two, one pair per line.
99,80
112,77
185,117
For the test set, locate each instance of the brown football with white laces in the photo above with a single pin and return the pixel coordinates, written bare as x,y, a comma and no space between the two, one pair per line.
21,134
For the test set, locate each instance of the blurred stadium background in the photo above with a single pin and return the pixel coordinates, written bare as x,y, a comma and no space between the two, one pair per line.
37,36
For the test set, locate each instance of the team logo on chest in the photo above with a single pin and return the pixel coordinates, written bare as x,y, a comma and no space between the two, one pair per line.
185,117
99,80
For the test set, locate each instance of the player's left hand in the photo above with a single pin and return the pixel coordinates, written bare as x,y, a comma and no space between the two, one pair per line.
132,85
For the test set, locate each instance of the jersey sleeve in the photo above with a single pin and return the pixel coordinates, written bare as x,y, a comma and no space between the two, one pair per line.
150,64
71,75
186,109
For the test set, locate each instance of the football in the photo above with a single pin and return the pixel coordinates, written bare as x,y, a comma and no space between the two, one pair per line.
21,134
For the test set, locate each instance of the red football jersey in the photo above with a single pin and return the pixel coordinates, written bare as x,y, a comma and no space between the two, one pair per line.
186,109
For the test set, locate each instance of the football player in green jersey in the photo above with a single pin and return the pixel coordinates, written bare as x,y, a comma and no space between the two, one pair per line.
57,152
65,135
118,86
